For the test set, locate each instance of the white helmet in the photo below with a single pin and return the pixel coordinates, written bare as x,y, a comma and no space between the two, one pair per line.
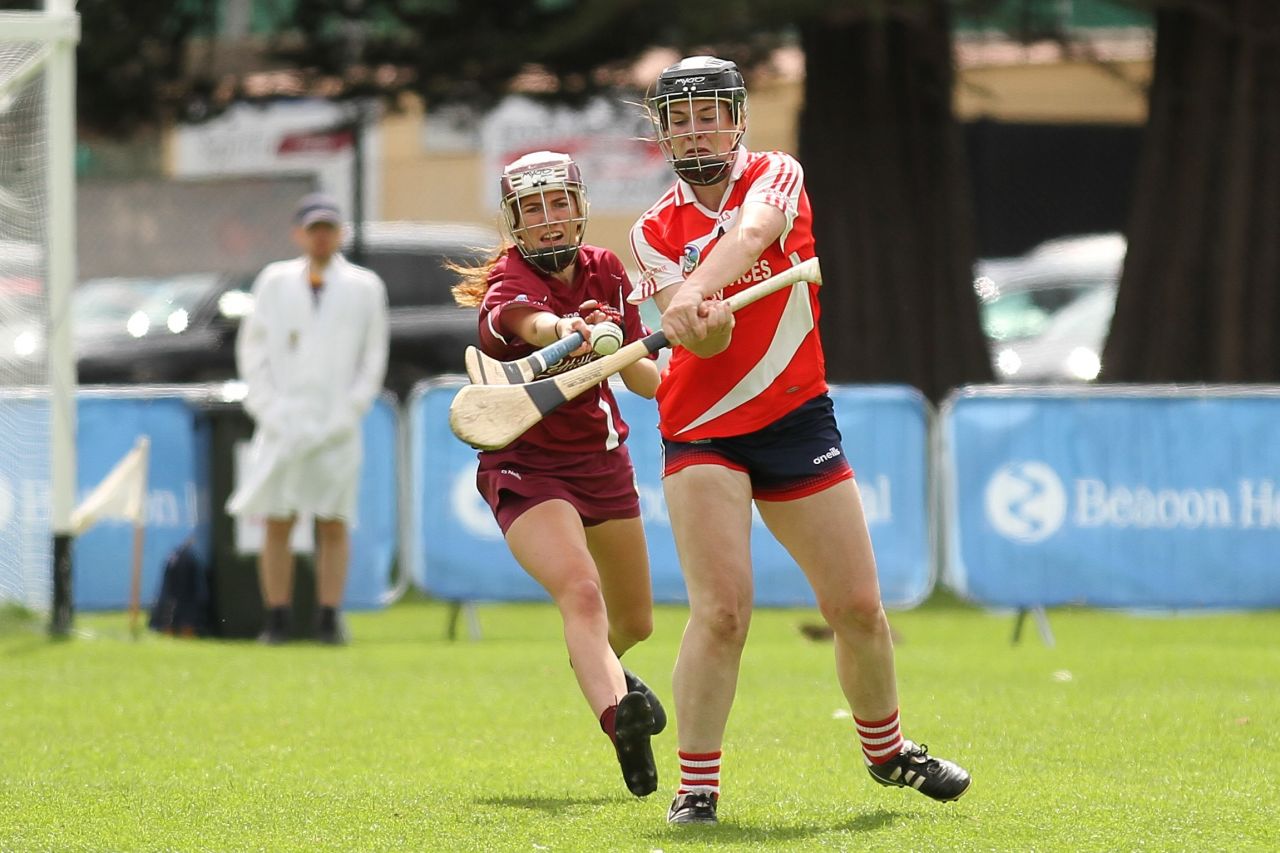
540,173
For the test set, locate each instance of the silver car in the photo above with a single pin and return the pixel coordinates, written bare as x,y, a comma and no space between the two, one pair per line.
1046,314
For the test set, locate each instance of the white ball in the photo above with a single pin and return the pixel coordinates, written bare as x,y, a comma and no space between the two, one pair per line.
606,337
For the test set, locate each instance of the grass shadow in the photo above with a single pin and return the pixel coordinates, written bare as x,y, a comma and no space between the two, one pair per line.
30,645
729,833
943,599
872,820
548,805
24,632
14,619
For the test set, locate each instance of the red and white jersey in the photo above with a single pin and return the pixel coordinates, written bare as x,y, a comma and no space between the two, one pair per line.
591,421
774,362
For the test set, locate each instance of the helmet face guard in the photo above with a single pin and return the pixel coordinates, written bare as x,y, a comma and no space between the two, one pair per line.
693,82
545,187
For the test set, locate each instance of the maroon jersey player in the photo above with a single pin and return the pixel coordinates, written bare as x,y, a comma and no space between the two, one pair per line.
745,417
564,493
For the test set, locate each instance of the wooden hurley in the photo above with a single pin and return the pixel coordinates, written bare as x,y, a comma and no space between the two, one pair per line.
491,416
485,370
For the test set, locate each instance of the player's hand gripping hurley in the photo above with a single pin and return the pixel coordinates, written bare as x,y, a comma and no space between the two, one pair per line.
486,370
491,416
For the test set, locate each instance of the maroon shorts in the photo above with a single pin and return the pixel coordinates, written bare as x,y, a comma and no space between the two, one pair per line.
600,486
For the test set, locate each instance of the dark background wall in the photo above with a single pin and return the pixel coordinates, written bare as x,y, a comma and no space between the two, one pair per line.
1034,182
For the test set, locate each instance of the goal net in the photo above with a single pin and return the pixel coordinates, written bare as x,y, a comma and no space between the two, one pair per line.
25,410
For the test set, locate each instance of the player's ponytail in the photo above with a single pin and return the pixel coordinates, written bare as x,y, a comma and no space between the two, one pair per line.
473,279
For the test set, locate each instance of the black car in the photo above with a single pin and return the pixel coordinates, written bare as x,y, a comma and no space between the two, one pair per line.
159,329
182,328
429,332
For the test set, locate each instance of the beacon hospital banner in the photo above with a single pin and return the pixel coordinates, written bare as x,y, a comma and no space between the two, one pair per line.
456,551
1130,496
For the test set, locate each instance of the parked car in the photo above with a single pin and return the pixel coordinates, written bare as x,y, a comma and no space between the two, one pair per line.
182,328
429,332
158,329
1046,314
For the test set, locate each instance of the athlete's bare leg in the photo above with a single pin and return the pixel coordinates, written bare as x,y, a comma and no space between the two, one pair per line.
549,542
710,510
826,534
622,560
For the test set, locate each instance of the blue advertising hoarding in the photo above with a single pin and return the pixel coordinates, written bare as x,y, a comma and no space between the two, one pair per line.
1142,496
375,538
178,489
107,425
26,530
455,549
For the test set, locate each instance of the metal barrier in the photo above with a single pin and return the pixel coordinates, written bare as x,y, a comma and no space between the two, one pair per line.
180,492
1117,496
1138,496
455,550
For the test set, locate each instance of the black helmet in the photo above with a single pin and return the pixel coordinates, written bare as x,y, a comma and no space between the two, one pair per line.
698,78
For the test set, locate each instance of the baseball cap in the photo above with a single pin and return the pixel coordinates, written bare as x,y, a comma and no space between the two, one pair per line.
317,207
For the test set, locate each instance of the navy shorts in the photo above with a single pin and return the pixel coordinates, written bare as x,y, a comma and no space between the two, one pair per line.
795,456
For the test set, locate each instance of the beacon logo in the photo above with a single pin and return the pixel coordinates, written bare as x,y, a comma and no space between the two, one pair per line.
1025,501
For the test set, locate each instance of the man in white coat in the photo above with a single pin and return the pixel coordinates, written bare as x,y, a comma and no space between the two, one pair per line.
313,354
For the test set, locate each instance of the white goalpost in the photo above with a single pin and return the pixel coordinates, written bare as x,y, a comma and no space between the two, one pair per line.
37,270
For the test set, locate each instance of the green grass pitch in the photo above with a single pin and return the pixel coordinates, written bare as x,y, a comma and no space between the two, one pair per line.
1132,733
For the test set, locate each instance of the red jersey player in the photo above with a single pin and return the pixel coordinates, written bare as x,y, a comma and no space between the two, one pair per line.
745,415
564,493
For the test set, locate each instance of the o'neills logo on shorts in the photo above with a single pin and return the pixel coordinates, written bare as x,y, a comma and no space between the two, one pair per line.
689,259
826,457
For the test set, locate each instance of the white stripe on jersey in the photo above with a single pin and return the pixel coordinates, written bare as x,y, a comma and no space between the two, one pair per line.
656,269
779,185
494,329
795,324
611,429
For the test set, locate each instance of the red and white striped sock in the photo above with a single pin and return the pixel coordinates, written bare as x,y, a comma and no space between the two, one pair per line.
881,739
699,772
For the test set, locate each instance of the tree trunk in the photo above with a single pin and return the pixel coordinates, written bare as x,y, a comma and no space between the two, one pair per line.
1198,300
887,178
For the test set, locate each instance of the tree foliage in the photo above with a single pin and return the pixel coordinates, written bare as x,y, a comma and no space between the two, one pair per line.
472,51
1198,301
878,139
131,61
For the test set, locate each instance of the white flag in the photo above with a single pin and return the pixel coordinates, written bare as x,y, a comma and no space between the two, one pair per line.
122,493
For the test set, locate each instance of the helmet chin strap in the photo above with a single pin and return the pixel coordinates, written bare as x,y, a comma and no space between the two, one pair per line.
551,261
697,171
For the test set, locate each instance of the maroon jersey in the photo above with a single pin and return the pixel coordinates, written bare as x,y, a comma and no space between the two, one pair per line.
591,421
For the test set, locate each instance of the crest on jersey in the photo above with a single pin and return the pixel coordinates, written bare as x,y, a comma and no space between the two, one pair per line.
689,259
